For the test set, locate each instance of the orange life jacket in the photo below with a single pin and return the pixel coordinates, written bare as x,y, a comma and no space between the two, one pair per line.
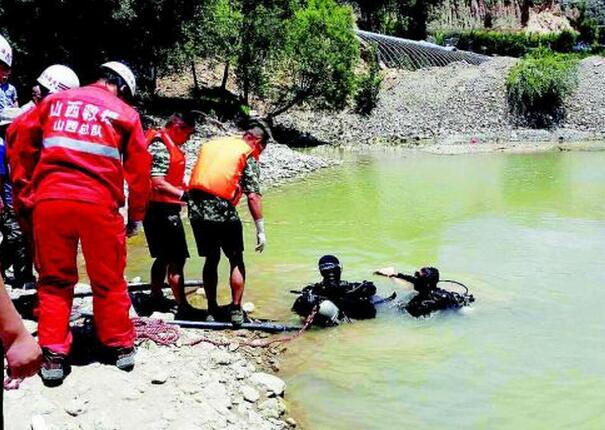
176,168
219,167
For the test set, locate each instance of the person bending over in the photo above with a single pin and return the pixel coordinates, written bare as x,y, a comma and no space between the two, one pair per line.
226,169
163,226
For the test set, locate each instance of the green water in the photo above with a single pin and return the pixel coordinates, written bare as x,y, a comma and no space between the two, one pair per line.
525,232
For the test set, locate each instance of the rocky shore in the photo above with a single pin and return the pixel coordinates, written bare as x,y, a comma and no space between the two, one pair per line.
205,380
454,105
279,163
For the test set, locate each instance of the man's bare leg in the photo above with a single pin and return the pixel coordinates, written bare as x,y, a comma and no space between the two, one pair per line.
176,280
210,279
238,279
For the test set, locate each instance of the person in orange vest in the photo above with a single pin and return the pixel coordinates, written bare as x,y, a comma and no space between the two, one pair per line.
163,226
86,142
226,169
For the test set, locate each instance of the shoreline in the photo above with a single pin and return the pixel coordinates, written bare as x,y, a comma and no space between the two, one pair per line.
229,386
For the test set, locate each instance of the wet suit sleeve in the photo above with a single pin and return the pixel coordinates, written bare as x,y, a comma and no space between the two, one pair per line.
137,170
408,278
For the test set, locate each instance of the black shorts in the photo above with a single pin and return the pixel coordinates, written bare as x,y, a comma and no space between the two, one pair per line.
212,236
165,233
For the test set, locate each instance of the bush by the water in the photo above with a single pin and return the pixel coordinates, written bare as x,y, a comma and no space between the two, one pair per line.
512,44
537,86
369,84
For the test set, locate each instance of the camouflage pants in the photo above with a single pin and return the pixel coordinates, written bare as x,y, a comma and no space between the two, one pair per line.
14,250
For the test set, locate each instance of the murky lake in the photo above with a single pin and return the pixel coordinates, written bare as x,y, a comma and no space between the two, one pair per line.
525,232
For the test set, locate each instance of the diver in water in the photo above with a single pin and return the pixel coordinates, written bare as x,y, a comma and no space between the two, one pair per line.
334,300
430,297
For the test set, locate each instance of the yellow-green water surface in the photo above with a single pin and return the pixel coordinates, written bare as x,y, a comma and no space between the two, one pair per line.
525,232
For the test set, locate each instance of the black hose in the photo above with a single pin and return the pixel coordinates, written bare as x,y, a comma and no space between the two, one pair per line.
451,281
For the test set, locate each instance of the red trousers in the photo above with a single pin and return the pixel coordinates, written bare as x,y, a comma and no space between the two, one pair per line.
58,226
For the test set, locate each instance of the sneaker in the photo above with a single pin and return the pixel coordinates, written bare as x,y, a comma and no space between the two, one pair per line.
125,358
237,315
189,313
54,368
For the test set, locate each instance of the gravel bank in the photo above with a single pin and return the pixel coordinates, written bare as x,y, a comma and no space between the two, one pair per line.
279,163
454,104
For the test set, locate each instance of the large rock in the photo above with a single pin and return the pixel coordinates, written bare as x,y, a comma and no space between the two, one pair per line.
271,383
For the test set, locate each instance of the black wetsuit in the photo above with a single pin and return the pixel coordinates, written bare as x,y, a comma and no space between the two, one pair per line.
431,299
354,300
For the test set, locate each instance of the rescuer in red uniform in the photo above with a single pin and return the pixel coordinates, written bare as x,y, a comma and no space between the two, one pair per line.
86,141
163,226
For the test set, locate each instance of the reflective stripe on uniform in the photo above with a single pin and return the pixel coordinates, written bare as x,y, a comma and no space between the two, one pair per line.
81,145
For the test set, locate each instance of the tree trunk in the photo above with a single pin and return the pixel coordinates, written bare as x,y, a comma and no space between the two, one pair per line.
196,84
246,56
526,5
225,77
300,97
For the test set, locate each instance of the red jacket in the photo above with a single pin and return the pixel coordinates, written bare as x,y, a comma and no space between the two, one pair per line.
176,168
21,128
79,145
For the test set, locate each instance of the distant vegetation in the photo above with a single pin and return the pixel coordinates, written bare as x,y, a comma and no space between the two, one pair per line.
277,53
513,44
284,52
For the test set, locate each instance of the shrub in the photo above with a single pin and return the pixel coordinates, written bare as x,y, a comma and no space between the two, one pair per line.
513,44
537,86
369,84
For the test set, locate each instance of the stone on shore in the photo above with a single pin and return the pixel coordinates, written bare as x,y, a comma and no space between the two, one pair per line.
271,383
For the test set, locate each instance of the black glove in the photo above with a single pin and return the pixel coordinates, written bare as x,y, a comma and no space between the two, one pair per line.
185,196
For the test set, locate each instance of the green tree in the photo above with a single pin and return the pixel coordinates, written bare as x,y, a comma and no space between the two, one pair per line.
214,33
319,58
262,36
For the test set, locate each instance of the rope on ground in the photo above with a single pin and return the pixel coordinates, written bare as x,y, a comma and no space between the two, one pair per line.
156,331
164,334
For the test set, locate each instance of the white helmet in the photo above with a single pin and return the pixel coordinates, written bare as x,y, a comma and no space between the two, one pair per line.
58,78
6,52
124,72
